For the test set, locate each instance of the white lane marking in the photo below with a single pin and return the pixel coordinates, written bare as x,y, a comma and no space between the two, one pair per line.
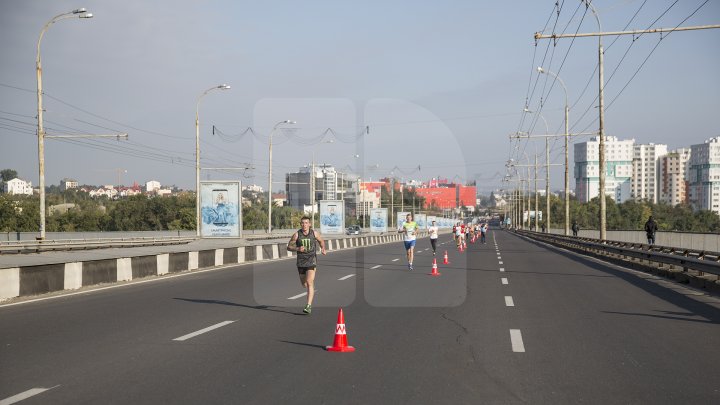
500,262
346,277
375,267
516,340
509,301
294,297
201,331
502,268
395,260
504,281
499,258
25,395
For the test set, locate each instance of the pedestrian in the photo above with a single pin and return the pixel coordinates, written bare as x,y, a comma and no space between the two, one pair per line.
542,227
305,242
650,229
409,228
483,231
433,231
575,228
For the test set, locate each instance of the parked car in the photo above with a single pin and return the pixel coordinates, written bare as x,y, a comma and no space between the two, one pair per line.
352,230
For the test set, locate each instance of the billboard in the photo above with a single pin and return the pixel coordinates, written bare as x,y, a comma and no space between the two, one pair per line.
422,222
332,217
400,218
378,220
220,209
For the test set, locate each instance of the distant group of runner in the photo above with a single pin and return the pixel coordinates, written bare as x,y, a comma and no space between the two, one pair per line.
305,241
463,232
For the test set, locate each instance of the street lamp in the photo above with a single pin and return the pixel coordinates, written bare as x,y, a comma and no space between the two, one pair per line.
567,136
270,173
79,13
197,155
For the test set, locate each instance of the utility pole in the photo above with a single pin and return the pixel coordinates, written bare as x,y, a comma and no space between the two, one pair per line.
547,185
536,191
601,85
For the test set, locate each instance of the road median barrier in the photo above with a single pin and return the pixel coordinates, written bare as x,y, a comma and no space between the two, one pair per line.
32,280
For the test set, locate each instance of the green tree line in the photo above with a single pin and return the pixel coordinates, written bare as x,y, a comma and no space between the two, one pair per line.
631,215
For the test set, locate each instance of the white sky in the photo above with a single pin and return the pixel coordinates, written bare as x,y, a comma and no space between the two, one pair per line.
441,84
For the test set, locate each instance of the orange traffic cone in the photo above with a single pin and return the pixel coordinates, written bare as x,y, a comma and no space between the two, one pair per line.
434,268
445,259
340,343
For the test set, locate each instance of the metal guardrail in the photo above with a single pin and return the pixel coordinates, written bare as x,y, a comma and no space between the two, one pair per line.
688,259
82,244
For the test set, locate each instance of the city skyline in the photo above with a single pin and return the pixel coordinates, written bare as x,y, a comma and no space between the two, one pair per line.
443,100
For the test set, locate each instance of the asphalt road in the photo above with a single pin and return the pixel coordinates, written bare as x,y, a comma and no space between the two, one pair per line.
515,322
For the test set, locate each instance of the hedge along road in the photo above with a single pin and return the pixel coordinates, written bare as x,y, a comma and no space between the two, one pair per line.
578,330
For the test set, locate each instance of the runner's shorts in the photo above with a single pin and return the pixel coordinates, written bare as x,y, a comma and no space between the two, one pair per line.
409,244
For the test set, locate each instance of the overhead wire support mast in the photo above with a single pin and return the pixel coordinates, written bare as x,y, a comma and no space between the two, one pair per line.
601,109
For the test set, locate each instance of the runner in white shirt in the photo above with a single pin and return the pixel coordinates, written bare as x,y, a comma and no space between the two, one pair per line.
433,230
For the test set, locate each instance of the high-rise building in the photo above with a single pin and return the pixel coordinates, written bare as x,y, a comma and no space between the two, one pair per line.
704,175
673,172
618,168
646,168
326,179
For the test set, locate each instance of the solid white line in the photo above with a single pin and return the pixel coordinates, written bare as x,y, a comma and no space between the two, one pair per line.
375,267
24,395
395,260
502,268
201,331
516,340
509,301
504,281
346,277
294,297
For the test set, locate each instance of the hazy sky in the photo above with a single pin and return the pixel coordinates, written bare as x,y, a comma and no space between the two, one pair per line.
440,84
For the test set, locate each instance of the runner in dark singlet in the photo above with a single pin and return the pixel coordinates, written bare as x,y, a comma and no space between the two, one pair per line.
304,242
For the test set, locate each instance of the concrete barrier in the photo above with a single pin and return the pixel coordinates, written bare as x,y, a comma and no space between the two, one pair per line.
41,279
686,240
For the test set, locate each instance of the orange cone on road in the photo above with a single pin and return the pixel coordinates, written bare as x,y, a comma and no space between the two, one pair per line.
445,259
340,344
434,268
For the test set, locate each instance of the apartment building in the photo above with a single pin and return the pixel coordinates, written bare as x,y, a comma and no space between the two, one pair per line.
646,171
673,188
704,176
618,168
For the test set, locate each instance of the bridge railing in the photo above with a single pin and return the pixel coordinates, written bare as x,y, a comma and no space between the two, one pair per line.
50,245
701,261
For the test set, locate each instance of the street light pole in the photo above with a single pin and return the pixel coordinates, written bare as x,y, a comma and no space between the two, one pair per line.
197,155
80,13
270,174
567,165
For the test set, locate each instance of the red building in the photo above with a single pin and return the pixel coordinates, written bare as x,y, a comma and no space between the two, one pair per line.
447,195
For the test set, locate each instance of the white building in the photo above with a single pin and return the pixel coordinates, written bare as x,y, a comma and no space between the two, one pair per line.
152,186
704,175
618,168
17,186
254,188
673,172
108,190
67,184
646,171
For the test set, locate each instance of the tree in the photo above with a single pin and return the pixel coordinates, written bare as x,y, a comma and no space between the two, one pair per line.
8,174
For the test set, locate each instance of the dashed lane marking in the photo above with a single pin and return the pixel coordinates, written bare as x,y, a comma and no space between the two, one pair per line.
24,395
201,331
509,301
346,277
517,341
375,267
504,281
502,269
395,260
294,297
500,262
